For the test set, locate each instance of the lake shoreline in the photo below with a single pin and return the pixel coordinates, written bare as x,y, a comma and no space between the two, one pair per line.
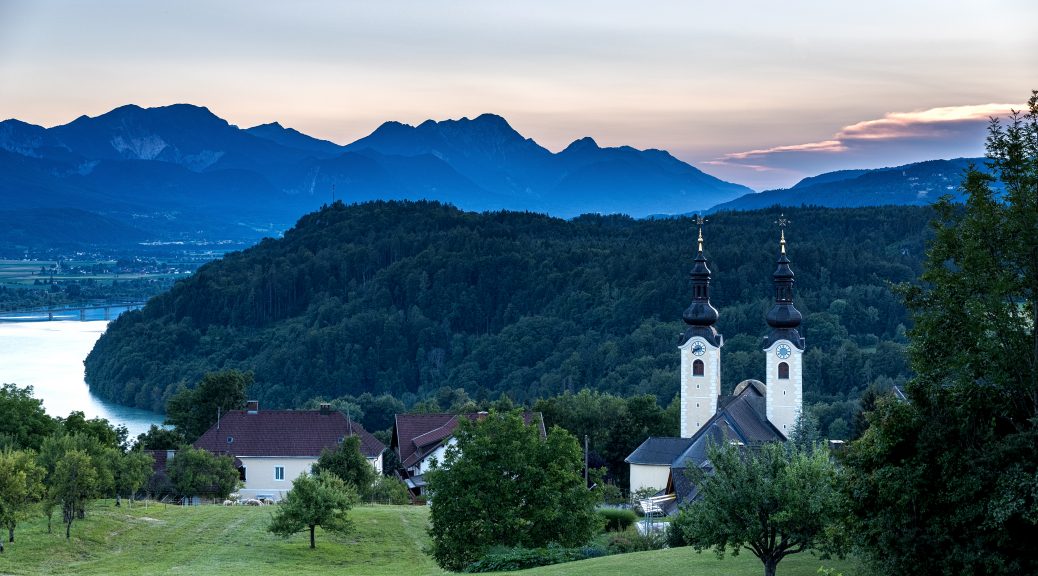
48,355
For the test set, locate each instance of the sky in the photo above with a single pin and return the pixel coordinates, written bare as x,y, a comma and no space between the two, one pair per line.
758,92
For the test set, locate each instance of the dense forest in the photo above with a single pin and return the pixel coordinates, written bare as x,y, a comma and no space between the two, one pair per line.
409,298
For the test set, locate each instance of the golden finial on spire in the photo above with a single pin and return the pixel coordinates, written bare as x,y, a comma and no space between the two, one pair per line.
782,222
699,222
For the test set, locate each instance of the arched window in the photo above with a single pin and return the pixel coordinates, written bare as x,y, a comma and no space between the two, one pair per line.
697,368
783,371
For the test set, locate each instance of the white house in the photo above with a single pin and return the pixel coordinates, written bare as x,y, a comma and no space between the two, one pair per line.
273,447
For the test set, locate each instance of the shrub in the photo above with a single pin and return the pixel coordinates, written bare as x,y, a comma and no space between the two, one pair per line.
616,519
389,490
633,541
507,559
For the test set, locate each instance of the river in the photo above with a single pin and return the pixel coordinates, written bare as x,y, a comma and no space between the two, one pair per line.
49,357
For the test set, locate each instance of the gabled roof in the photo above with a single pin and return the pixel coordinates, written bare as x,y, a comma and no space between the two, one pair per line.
740,419
415,436
658,451
284,433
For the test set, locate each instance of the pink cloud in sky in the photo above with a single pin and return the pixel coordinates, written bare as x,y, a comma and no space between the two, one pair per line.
896,138
922,123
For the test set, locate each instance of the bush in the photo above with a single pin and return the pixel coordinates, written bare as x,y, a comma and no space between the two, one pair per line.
617,520
389,490
508,559
633,541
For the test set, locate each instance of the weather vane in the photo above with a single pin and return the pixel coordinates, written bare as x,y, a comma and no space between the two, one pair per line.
782,222
699,222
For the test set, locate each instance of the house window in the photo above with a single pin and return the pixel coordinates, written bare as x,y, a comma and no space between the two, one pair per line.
783,371
697,368
279,472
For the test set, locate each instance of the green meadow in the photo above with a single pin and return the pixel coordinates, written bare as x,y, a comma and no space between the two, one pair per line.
217,540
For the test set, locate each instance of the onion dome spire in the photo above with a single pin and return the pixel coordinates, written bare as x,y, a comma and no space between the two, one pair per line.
783,318
701,315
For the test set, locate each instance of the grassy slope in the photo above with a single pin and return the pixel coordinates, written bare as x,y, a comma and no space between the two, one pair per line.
215,540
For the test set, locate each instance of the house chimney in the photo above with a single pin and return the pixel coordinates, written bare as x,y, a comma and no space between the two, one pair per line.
252,406
326,409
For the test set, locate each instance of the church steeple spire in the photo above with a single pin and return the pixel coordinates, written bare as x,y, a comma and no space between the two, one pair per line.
783,318
700,349
701,315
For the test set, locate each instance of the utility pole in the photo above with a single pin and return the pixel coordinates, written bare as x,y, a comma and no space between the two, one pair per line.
585,460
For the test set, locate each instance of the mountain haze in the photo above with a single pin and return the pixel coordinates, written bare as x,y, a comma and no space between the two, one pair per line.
918,184
179,171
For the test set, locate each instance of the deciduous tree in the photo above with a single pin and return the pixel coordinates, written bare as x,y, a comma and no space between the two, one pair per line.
131,470
314,500
75,480
194,472
158,438
346,462
21,485
503,485
193,411
773,500
22,417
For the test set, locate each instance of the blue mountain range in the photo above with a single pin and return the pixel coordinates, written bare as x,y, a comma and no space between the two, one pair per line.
181,172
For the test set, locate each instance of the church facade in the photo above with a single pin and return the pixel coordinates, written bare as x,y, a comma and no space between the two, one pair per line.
756,411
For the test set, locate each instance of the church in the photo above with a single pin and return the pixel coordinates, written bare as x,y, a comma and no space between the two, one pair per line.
756,411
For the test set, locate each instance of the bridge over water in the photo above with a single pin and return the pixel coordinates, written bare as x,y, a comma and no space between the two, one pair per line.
86,311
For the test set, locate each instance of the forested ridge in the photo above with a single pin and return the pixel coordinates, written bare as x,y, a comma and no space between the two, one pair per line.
411,297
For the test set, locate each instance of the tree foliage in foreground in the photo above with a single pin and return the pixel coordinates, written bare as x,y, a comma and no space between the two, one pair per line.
23,421
21,486
346,462
773,500
195,472
947,483
503,485
315,500
74,481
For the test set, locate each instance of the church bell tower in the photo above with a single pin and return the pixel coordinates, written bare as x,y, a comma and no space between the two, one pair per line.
700,350
784,349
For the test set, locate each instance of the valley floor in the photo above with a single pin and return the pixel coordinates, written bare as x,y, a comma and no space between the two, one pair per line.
216,540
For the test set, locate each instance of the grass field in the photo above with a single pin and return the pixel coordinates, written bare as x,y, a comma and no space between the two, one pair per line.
388,540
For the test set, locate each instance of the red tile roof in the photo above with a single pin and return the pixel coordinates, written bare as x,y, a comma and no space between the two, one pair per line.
284,433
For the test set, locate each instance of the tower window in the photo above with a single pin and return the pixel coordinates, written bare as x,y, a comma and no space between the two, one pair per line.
697,368
783,371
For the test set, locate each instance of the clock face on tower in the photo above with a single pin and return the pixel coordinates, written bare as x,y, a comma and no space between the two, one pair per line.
783,351
697,348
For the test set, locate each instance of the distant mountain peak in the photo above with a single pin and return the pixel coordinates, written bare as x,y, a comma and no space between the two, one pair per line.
490,118
175,113
585,143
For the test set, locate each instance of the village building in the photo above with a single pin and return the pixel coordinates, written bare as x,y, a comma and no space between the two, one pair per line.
273,447
421,441
754,413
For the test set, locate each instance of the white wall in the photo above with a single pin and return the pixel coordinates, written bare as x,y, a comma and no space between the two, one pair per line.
784,398
440,453
699,393
259,474
649,476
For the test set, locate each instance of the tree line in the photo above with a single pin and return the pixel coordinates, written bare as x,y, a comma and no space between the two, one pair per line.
58,465
407,298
